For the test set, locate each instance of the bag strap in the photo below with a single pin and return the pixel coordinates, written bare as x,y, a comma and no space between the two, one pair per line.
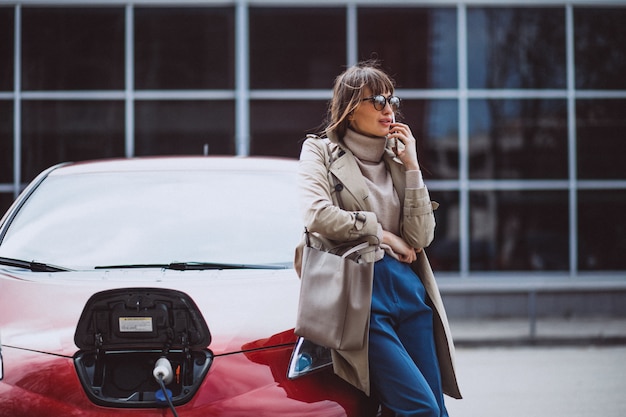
356,248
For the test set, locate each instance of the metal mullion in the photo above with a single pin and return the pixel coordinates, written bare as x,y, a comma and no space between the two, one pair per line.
184,94
592,94
351,34
242,73
291,94
73,95
571,136
17,101
443,185
601,184
464,212
412,93
129,99
517,185
516,94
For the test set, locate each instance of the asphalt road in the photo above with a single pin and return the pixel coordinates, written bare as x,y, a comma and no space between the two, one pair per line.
585,381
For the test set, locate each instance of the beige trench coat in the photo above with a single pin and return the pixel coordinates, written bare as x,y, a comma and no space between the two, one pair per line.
356,221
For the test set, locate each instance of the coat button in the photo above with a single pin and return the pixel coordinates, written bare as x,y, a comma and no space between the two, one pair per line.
338,187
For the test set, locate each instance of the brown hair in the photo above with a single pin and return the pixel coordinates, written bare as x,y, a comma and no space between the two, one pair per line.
348,92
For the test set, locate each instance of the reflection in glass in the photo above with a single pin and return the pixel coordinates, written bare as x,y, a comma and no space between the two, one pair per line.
6,142
6,48
184,127
6,199
600,136
73,48
443,252
418,46
60,131
516,47
601,230
518,139
296,47
519,230
278,128
434,124
599,39
184,48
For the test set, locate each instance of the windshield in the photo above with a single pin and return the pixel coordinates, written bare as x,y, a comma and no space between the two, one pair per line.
129,218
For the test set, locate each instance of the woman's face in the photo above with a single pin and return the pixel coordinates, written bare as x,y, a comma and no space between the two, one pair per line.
368,121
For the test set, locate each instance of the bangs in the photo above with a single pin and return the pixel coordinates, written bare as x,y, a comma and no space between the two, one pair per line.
371,78
378,82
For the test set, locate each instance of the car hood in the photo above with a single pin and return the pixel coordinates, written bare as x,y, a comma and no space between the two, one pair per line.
40,311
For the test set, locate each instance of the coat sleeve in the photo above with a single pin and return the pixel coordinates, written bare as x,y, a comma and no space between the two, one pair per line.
418,219
320,214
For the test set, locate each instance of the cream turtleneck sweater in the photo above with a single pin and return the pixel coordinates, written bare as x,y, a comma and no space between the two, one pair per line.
383,197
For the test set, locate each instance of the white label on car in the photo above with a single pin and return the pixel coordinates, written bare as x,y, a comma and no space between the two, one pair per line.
135,324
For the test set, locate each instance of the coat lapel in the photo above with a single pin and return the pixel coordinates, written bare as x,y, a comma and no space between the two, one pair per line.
348,173
345,168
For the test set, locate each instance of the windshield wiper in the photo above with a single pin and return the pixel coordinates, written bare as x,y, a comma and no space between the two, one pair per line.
184,266
196,266
32,265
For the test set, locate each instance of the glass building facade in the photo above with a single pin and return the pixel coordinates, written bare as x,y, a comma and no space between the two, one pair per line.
519,108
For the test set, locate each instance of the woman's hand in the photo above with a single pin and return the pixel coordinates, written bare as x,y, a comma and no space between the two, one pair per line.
405,252
408,153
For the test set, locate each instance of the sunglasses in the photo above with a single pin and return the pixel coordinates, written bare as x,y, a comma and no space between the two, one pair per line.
379,102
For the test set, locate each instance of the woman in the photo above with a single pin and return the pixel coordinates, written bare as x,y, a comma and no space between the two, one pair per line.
363,182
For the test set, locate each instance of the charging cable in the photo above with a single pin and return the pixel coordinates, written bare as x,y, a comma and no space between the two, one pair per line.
163,374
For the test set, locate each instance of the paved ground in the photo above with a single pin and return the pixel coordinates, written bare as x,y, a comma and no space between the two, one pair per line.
541,381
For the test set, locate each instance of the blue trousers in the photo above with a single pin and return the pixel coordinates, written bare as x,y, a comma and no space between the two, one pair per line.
404,371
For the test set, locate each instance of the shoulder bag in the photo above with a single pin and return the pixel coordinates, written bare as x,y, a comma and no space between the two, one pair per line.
335,295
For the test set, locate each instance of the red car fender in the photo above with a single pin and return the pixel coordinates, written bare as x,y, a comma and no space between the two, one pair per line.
47,385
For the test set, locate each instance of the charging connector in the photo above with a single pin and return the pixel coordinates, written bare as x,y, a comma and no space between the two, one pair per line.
163,370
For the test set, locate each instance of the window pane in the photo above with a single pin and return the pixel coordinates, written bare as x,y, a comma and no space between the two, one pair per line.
519,230
417,45
6,48
601,138
184,48
434,124
518,139
59,131
443,252
599,39
601,230
6,141
6,200
278,128
516,48
184,127
296,48
73,48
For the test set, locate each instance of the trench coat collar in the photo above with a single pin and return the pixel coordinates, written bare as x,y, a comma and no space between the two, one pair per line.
345,168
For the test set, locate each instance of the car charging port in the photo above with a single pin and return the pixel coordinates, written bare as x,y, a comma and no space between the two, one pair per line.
141,348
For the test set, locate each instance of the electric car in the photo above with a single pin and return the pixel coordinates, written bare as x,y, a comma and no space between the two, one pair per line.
159,286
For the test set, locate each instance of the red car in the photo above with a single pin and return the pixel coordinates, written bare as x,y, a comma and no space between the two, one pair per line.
159,286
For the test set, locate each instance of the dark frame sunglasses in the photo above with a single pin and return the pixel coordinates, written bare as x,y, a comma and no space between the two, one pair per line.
379,101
